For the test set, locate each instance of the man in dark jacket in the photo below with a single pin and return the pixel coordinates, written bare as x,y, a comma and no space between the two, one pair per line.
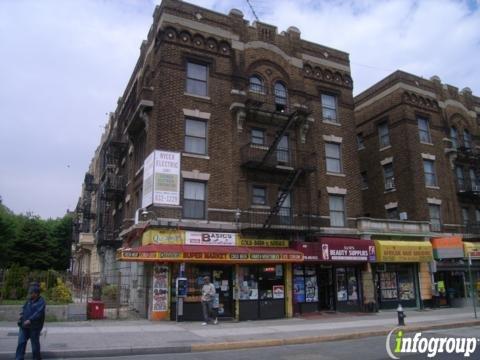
31,323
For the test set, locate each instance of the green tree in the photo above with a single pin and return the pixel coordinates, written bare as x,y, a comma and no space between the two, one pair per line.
32,245
61,241
8,226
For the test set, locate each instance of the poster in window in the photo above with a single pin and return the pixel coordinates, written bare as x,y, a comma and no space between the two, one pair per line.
352,288
299,289
278,292
406,286
311,289
160,288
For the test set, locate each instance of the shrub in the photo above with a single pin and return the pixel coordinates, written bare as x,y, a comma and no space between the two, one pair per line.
15,287
109,292
60,293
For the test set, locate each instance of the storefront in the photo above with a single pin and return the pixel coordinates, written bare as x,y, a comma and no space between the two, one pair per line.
251,276
330,278
449,272
401,273
472,249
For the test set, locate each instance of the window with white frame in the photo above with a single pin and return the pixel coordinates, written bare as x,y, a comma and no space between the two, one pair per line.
383,135
283,150
460,178
435,219
195,136
388,176
280,92
329,108
194,199
197,75
467,139
259,195
258,137
429,170
364,179
454,137
392,213
256,85
360,141
465,216
473,180
333,157
424,130
337,210
285,212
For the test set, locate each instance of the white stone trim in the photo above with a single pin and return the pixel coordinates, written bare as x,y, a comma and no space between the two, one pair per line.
202,27
457,104
238,92
336,190
197,156
393,88
325,62
196,175
477,109
434,201
428,156
127,198
256,44
196,113
391,205
387,160
332,139
336,174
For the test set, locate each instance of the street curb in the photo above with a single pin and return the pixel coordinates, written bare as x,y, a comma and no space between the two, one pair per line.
246,344
235,345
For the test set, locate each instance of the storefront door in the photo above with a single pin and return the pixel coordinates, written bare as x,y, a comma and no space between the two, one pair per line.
325,288
222,279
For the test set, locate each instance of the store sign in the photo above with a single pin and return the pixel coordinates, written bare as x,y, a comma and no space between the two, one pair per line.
161,179
338,249
472,249
167,237
403,251
262,242
448,248
206,256
210,238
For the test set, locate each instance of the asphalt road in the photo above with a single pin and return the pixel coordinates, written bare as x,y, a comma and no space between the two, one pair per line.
373,348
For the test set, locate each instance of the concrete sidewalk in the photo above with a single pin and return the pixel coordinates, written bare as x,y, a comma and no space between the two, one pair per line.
114,338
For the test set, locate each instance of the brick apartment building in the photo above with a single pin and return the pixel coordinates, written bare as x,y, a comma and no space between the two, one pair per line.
418,143
233,153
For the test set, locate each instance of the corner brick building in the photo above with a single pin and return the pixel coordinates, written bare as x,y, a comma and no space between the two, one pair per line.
233,153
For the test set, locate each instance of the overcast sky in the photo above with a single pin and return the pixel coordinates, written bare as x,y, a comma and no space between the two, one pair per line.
64,63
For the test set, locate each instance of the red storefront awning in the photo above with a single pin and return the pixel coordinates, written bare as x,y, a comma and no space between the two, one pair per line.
331,249
209,254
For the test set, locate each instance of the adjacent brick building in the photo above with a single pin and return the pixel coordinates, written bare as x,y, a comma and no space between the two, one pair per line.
418,142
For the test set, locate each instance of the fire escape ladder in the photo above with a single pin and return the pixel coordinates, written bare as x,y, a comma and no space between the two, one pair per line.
285,189
278,138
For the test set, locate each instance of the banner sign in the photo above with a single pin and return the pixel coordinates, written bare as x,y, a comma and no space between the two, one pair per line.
403,251
262,242
163,236
148,175
338,249
160,288
448,248
161,179
210,238
205,256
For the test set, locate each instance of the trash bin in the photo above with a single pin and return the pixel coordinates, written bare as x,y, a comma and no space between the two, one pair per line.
95,310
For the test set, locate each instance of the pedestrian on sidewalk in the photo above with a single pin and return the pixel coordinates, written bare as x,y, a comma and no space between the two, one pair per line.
30,323
208,294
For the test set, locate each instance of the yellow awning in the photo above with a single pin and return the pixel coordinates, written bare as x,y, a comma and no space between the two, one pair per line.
403,251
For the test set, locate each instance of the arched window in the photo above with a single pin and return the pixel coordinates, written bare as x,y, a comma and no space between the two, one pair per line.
280,92
256,85
454,137
467,139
